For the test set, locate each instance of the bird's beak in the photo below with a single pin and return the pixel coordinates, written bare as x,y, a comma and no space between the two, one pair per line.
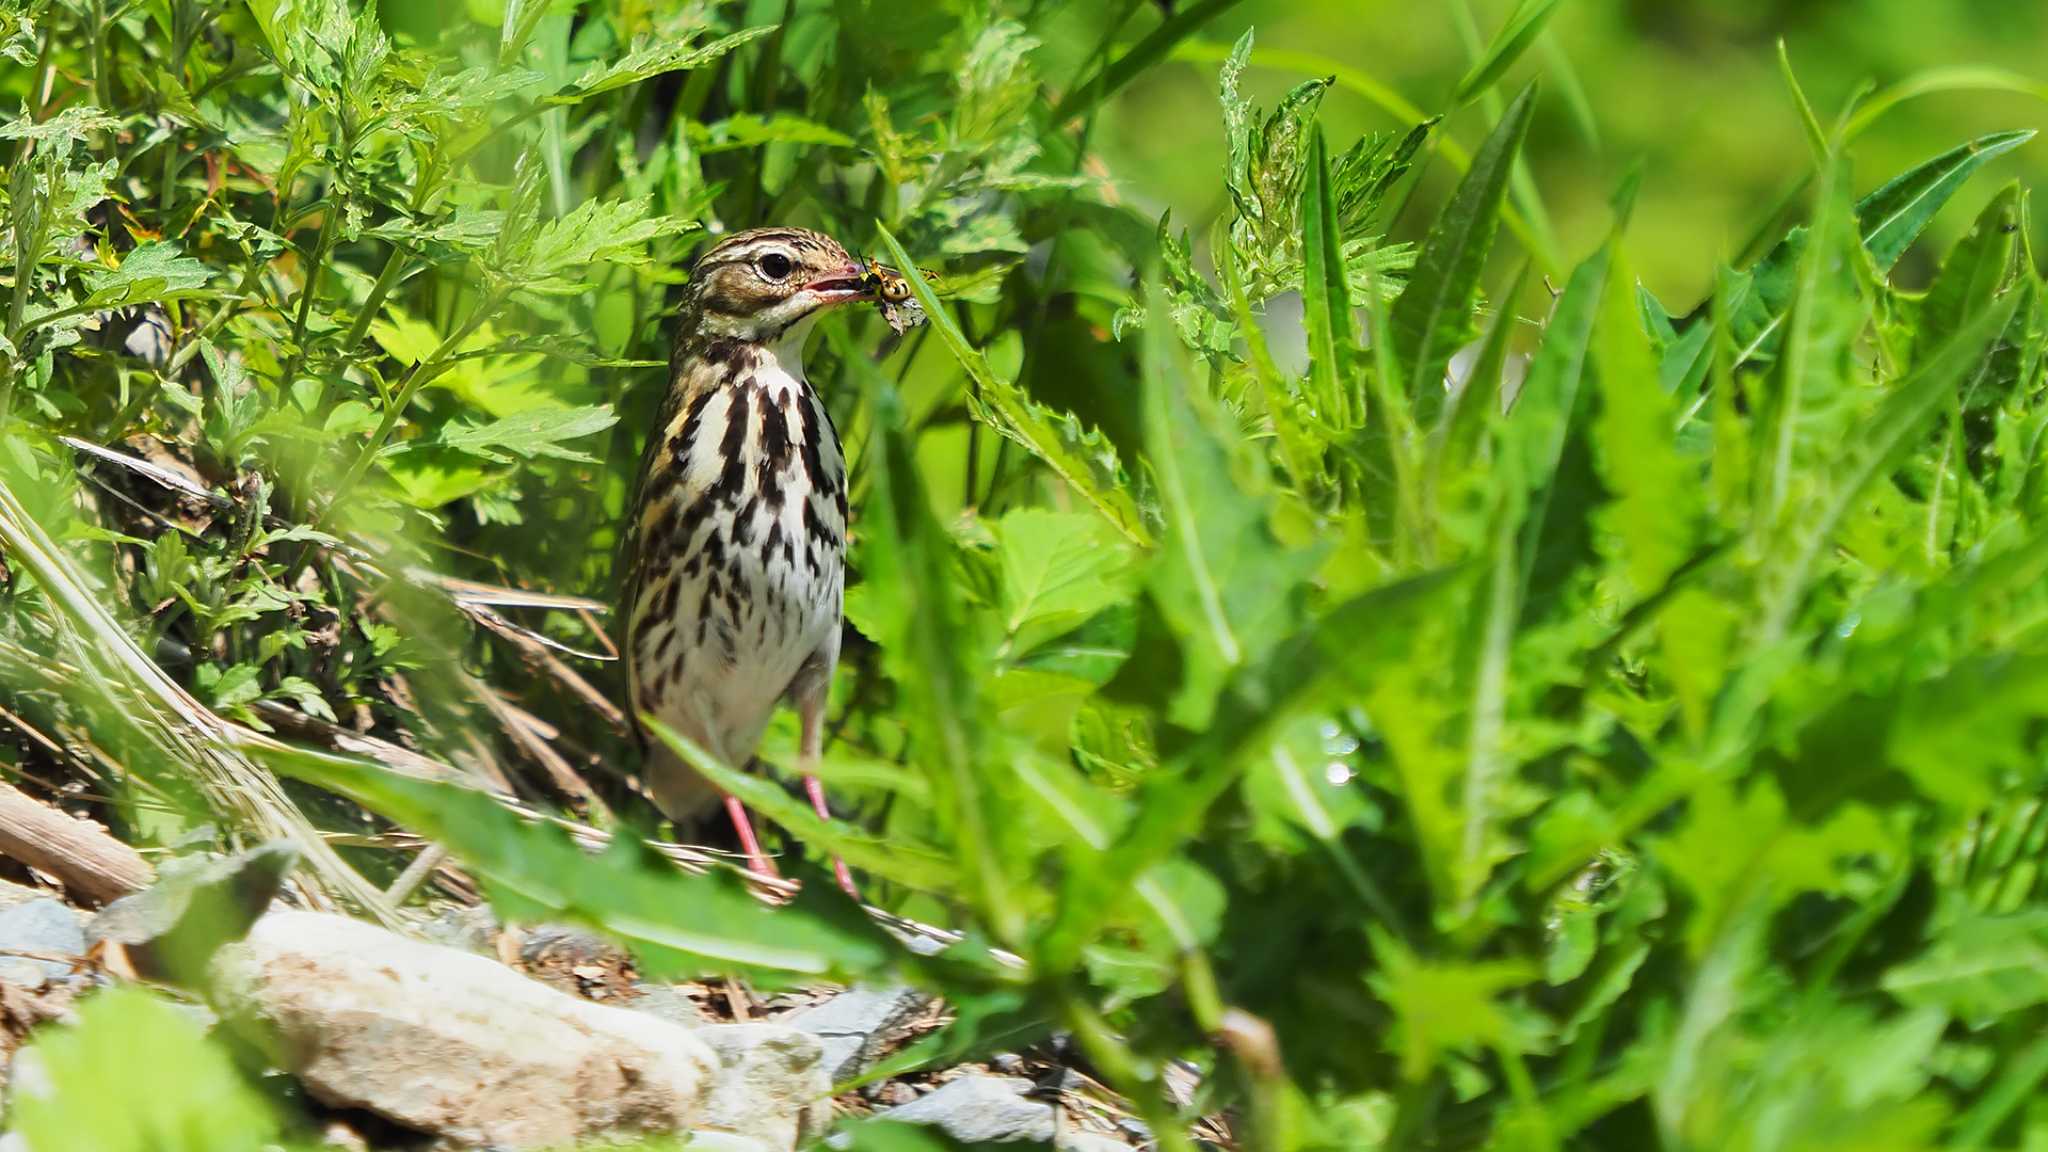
843,285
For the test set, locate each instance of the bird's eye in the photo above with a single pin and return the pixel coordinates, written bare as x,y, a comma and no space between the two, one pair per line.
775,266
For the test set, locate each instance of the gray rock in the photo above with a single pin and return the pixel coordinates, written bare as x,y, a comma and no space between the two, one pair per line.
981,1109
772,1085
857,1026
472,929
452,1044
40,925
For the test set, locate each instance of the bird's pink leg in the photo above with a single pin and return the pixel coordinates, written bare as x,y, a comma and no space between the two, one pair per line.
839,870
810,714
757,861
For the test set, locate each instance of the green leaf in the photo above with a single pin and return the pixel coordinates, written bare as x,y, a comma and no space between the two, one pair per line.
1476,404
535,871
1980,968
1816,137
73,123
1433,317
748,130
534,433
1543,441
158,270
1444,1006
1654,513
1221,580
1975,271
1350,646
654,56
1523,25
596,231
1083,458
1059,569
179,1092
1894,216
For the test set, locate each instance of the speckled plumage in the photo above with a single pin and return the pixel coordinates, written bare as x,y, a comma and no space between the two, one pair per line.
736,566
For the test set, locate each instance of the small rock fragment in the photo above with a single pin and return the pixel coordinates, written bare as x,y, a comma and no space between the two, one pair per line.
43,926
857,1026
977,1109
772,1086
452,1044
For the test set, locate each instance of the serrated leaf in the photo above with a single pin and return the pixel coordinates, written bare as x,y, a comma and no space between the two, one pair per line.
158,270
652,58
597,231
1654,512
533,433
1443,1006
748,130
1975,271
73,123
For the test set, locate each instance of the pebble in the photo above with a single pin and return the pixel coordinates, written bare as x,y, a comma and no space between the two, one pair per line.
44,926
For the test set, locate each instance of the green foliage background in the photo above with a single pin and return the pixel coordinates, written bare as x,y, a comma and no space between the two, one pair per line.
1635,744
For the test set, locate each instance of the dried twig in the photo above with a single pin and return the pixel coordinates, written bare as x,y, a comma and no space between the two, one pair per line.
80,853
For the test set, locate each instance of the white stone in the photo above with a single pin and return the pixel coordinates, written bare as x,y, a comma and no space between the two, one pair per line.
772,1085
453,1044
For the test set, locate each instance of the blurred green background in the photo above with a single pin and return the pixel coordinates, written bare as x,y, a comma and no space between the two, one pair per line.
1691,88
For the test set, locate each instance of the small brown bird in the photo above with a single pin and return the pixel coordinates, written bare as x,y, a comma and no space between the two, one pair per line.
736,558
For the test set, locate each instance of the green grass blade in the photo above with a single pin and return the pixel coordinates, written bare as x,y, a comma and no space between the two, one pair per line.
1326,297
1142,55
1523,25
1455,441
1965,78
1084,460
1434,314
1816,136
1564,75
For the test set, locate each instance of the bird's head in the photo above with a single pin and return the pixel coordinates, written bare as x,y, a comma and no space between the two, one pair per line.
760,285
